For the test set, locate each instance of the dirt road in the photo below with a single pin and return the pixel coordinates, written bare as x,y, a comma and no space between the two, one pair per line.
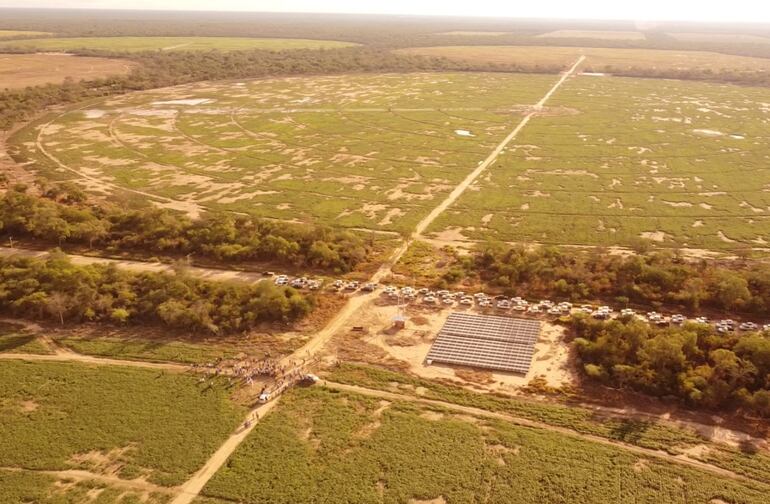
676,459
219,275
191,488
490,160
64,356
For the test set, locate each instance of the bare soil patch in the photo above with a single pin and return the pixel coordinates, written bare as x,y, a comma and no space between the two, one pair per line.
22,70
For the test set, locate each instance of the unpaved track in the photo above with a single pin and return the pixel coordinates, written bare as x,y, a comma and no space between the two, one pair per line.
428,220
69,356
478,412
191,488
219,275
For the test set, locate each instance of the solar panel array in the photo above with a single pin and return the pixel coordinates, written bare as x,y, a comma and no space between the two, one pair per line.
486,341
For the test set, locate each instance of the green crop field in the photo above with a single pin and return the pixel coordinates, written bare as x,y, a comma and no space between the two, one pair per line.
322,446
615,160
26,487
374,151
134,44
610,161
136,422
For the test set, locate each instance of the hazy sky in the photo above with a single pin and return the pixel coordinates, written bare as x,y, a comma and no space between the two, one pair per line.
695,10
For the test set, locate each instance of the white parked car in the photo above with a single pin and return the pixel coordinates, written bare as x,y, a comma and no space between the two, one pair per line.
701,320
466,301
678,319
748,326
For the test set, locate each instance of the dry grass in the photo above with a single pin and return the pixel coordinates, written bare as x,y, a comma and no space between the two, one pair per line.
594,34
17,33
22,70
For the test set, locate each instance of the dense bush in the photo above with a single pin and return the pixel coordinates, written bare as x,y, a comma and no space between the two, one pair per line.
221,236
58,290
650,278
693,363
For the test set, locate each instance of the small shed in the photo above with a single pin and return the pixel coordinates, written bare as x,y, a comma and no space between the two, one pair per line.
399,321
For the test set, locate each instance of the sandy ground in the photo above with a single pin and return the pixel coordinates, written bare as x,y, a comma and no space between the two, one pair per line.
408,347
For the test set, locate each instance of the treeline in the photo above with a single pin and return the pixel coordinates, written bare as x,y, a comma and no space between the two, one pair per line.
759,77
168,68
219,236
652,278
693,363
56,289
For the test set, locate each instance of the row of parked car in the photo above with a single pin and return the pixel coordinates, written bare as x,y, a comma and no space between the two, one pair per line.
298,283
504,303
548,307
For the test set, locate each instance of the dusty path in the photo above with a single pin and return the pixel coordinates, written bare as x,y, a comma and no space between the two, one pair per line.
677,459
489,161
219,275
191,488
69,356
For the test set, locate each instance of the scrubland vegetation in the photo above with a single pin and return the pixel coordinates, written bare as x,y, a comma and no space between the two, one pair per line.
676,164
21,487
162,426
694,363
321,446
646,433
57,290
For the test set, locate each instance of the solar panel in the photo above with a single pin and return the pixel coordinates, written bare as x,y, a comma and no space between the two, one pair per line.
486,341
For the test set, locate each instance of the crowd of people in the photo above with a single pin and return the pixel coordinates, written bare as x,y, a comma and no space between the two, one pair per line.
246,371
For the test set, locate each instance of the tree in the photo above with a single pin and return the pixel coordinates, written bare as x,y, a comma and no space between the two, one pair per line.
119,315
57,304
